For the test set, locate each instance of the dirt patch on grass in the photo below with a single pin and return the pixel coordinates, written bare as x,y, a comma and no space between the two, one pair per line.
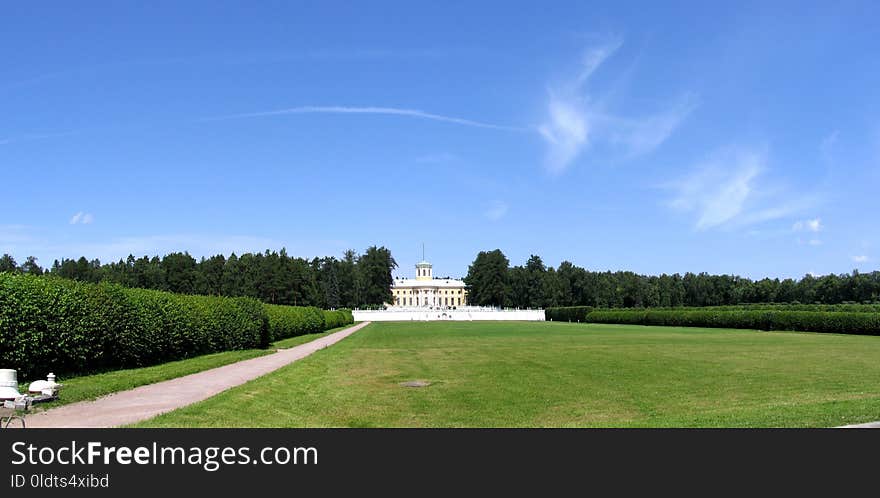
415,383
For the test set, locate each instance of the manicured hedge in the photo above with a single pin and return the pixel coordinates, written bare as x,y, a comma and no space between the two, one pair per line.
337,318
70,327
290,321
67,327
850,307
808,321
567,313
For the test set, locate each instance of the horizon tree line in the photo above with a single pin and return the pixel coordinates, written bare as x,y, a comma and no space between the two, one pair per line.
355,280
364,280
491,281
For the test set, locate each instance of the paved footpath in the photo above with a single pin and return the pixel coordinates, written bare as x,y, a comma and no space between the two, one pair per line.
869,425
144,402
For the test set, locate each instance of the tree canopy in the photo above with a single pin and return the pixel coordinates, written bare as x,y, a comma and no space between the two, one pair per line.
487,279
492,282
271,276
359,280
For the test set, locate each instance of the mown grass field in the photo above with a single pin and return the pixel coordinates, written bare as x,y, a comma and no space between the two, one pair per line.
539,374
302,339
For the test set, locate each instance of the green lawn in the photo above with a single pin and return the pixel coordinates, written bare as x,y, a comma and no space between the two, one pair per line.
538,374
302,339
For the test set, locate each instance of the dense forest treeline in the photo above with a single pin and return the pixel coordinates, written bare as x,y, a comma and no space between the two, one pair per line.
491,281
358,281
272,276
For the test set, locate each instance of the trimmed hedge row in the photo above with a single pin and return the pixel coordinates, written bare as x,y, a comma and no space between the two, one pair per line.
567,313
291,321
807,321
573,313
337,318
68,327
849,307
73,327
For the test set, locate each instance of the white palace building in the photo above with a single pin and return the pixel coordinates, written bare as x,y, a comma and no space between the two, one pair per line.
427,298
425,291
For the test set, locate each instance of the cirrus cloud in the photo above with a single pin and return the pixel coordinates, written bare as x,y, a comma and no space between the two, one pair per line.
726,190
575,120
82,218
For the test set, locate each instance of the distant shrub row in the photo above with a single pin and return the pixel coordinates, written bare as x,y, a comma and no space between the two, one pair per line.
68,327
839,322
567,313
849,307
575,313
291,321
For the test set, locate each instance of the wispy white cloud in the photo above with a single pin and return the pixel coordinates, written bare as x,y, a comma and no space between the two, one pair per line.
783,208
724,191
574,120
496,211
717,191
860,259
640,136
594,57
390,111
566,127
814,225
566,132
82,218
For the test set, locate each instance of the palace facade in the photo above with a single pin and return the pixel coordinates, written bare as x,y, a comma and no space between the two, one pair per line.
425,291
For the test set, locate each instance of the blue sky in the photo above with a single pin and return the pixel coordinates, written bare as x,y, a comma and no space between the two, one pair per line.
655,138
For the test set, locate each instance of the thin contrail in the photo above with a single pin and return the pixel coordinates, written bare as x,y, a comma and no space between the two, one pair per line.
35,136
413,113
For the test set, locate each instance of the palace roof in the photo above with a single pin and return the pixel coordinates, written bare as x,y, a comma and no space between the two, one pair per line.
437,282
